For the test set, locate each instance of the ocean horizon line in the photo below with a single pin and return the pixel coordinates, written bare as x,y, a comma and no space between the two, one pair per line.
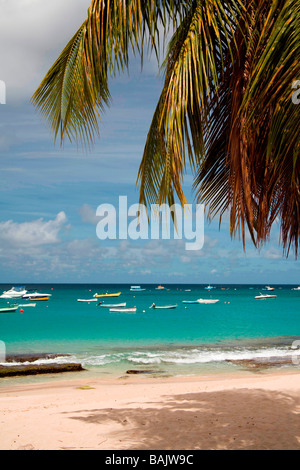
144,283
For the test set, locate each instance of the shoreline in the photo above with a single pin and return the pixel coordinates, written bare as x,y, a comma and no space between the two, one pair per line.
251,411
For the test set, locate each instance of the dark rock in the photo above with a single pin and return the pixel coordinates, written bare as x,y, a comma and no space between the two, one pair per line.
144,371
263,363
12,371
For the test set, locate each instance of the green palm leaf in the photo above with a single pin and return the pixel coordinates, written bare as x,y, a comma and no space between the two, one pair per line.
194,63
75,91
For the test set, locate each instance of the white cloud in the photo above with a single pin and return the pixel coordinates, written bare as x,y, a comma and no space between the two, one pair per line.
88,215
32,34
32,234
272,253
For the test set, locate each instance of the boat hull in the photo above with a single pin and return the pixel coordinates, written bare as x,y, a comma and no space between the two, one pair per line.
27,305
164,307
35,295
38,299
262,297
113,306
98,296
208,301
9,309
123,310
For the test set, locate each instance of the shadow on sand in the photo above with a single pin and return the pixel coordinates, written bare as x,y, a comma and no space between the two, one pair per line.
233,420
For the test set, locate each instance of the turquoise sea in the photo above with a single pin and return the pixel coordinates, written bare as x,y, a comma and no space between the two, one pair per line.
191,339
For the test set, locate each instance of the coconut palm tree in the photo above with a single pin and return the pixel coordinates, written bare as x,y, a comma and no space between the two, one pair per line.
225,111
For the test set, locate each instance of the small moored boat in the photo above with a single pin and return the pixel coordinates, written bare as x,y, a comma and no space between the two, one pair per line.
31,295
107,295
87,300
209,287
9,308
27,305
208,301
14,293
123,310
113,305
163,306
265,296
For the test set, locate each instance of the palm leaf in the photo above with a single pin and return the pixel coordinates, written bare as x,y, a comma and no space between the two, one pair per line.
251,165
194,63
75,91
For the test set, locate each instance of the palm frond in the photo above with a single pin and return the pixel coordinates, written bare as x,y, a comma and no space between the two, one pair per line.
251,165
194,64
75,91
60,96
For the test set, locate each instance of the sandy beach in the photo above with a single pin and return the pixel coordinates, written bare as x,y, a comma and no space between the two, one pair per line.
138,413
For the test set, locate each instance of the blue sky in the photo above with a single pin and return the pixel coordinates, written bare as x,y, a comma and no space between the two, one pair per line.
49,195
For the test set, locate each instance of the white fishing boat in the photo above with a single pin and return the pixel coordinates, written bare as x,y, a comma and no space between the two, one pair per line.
208,301
296,288
123,310
9,309
35,295
209,287
190,301
163,306
265,296
27,305
270,288
136,289
87,300
113,305
14,293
